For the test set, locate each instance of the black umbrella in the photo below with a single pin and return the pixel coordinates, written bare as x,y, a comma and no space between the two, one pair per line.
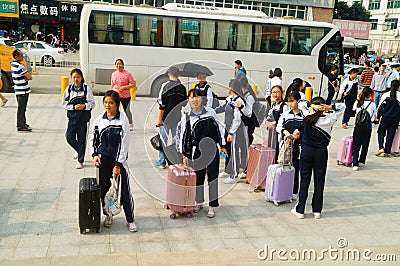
192,70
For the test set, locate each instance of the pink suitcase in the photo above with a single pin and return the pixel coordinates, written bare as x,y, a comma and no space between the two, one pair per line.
279,185
181,190
345,151
257,166
396,142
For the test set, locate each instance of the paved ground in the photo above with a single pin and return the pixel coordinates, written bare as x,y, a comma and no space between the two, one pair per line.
39,217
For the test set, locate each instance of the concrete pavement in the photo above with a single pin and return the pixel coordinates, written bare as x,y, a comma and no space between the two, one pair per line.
39,209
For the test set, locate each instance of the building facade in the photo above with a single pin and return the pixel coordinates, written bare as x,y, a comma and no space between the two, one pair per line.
385,15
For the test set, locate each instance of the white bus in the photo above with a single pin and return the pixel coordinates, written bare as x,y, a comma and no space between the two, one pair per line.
149,40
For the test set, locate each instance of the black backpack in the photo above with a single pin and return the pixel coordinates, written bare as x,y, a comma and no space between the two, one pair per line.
363,119
259,112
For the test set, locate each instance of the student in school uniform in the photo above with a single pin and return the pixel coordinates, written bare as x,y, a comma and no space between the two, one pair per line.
278,107
314,153
349,88
203,123
78,100
362,135
290,125
205,90
388,115
235,133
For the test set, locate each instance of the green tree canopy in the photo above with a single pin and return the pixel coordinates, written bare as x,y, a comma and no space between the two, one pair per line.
355,12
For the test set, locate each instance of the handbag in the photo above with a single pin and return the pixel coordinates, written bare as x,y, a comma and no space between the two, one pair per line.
112,200
285,152
156,142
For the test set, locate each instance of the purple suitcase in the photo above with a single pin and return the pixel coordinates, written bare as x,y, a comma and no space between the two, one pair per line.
279,185
345,151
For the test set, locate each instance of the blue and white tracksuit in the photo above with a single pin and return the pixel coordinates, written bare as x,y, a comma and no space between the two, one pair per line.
236,128
205,155
110,142
351,88
290,121
314,158
389,119
273,116
361,138
78,120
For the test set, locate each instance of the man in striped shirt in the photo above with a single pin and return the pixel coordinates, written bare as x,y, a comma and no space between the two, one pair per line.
20,78
367,74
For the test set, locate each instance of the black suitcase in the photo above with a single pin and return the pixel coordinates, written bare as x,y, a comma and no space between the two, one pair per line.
89,205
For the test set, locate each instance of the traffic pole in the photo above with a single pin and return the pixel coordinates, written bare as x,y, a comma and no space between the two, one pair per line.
64,84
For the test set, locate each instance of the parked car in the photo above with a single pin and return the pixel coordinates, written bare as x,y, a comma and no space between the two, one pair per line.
41,52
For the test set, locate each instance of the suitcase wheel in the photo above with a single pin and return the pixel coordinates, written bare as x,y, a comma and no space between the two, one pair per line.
276,203
172,216
83,231
189,215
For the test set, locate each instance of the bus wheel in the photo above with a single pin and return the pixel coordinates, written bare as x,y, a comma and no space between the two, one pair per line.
6,83
156,85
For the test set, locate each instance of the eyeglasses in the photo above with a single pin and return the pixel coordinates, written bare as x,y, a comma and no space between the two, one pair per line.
275,92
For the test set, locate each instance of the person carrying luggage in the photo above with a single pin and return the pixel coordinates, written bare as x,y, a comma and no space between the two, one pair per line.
314,153
110,145
235,133
290,125
349,88
199,125
277,108
388,115
78,100
365,113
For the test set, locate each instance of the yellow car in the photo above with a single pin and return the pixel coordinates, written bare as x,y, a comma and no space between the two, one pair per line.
6,84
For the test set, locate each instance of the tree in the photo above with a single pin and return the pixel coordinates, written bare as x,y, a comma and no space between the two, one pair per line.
355,12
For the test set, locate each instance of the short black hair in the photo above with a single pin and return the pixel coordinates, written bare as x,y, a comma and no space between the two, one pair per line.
353,70
238,62
194,93
367,63
174,71
16,53
119,59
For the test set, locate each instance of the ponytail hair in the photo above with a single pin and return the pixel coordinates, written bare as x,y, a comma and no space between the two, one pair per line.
394,87
311,120
365,93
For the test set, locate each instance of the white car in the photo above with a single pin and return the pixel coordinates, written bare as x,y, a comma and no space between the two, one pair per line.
6,41
41,52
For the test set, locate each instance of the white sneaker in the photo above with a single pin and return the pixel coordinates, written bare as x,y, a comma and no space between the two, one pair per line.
75,156
211,212
108,221
355,168
298,215
197,207
230,180
79,165
223,174
360,164
131,127
294,196
242,175
132,227
317,215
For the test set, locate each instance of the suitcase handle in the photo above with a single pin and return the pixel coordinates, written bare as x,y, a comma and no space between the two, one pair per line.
187,194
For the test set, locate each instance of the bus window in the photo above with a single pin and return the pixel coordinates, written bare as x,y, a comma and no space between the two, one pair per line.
303,39
244,36
188,33
207,34
223,34
144,29
100,24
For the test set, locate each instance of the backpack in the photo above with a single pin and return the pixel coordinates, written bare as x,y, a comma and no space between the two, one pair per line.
259,112
215,102
363,119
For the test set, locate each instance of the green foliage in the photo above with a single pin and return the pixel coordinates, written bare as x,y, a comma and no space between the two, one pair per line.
355,12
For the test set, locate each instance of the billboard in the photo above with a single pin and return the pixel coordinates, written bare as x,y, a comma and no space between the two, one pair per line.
353,29
9,8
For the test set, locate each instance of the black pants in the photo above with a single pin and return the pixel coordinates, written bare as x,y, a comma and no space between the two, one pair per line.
387,127
296,165
361,139
312,160
106,170
22,100
331,93
76,136
212,178
349,101
125,104
250,132
228,146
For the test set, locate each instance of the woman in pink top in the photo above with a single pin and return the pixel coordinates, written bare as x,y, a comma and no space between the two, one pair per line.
122,81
